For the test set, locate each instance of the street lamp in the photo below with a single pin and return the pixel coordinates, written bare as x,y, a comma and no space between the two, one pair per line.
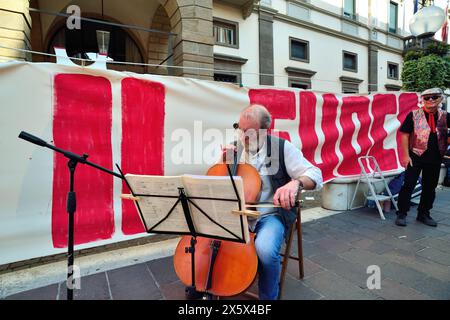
426,22
103,42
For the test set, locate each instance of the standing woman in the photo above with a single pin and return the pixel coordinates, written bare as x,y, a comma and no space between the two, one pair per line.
423,142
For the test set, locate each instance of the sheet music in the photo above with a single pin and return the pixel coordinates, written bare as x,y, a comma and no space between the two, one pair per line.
219,211
154,209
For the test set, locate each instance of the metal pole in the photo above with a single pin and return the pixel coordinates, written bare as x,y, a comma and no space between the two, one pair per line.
71,208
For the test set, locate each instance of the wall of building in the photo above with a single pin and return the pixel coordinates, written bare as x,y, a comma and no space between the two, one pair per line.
191,21
321,22
318,21
15,31
248,40
140,13
325,14
383,58
325,58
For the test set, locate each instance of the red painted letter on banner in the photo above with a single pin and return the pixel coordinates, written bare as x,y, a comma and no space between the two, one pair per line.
280,103
142,139
329,157
354,109
382,106
307,129
407,102
82,124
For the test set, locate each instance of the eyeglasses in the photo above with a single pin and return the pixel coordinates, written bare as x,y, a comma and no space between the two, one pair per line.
431,97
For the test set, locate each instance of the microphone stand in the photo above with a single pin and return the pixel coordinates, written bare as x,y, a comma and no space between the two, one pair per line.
74,159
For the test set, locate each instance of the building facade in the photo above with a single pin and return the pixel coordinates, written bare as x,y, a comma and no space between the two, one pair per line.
339,46
166,32
348,46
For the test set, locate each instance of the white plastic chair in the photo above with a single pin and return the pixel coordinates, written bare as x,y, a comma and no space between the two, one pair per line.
370,178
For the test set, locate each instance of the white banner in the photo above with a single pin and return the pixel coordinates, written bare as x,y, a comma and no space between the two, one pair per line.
158,125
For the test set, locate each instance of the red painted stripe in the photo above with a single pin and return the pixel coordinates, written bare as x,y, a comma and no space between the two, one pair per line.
360,106
307,129
406,102
280,104
142,139
382,105
331,133
82,124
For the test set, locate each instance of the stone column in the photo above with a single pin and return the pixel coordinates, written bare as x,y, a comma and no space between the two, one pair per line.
266,46
373,68
193,46
15,23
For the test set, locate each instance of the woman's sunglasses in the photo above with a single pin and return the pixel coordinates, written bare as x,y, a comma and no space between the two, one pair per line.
431,97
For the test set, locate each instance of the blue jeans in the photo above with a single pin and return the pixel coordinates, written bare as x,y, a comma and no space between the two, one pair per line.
269,239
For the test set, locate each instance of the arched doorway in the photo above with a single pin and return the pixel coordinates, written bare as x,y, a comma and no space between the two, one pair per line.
160,45
122,45
189,48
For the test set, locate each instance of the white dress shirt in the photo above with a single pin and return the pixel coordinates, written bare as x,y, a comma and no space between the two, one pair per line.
296,166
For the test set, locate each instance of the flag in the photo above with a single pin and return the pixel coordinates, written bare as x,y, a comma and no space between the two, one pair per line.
416,5
444,29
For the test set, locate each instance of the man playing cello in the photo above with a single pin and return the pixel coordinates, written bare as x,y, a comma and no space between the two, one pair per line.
284,172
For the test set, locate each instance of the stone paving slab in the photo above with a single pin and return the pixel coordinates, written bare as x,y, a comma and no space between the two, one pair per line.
133,283
392,290
434,288
402,274
93,287
44,293
335,287
299,290
356,273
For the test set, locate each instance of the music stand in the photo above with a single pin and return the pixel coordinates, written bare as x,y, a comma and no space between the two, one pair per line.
185,200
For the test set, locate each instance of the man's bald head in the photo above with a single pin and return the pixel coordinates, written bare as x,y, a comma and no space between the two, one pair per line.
258,113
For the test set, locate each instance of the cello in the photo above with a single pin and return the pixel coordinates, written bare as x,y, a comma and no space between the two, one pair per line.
222,268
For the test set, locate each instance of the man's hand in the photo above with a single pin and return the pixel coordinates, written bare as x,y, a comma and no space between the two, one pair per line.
406,160
285,195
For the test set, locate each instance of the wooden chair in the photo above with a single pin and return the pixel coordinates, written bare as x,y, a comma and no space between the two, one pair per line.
296,227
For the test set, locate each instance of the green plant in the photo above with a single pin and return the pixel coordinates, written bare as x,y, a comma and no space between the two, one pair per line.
426,72
413,54
408,76
437,48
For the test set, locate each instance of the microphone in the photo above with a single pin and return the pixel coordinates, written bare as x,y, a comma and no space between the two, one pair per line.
33,139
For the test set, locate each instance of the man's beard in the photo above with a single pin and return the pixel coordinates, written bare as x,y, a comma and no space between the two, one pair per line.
253,145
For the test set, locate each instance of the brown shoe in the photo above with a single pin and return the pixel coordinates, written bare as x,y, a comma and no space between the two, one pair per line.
426,219
401,220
